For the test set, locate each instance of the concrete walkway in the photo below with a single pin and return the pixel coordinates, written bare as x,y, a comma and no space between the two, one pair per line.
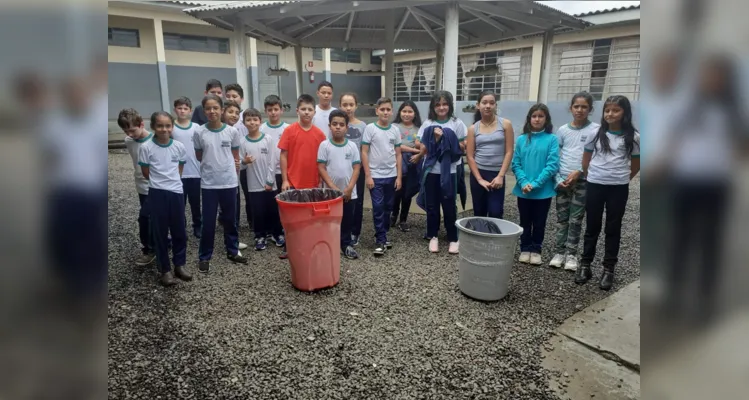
596,353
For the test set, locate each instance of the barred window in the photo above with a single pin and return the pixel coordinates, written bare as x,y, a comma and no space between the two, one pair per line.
124,37
204,44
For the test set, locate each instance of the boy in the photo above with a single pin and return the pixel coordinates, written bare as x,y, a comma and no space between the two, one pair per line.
191,172
322,111
232,113
162,160
299,145
338,163
256,153
132,124
274,128
381,157
234,92
213,86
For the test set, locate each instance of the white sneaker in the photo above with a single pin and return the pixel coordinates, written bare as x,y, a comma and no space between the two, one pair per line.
453,248
525,257
434,245
242,246
571,263
535,259
557,261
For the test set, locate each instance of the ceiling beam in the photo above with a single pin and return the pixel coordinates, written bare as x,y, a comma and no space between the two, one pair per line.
309,22
321,26
437,21
527,7
439,28
511,15
350,22
426,26
406,12
270,31
306,9
487,19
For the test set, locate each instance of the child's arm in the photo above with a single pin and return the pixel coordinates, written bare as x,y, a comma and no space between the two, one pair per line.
197,146
365,164
270,180
143,157
517,167
552,165
146,171
509,148
325,176
635,167
284,170
181,167
398,161
470,156
587,155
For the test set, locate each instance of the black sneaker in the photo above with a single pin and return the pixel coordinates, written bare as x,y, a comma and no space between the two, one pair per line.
380,249
260,244
393,220
204,266
388,245
354,240
404,227
350,253
237,258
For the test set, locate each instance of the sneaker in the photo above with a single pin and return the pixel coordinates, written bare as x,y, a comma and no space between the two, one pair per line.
204,266
260,244
354,240
454,248
145,259
535,259
350,253
525,257
571,263
393,220
242,246
388,245
557,261
237,258
279,240
404,227
283,255
379,249
434,245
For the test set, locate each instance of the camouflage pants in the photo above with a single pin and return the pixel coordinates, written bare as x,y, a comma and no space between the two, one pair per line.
570,213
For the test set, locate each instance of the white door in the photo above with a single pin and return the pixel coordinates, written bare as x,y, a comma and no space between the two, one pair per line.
267,84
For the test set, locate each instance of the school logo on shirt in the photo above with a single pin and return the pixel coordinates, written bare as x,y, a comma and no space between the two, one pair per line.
264,150
226,143
349,156
175,159
392,141
583,138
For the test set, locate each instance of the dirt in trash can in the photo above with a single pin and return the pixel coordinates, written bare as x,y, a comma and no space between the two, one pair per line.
483,226
309,195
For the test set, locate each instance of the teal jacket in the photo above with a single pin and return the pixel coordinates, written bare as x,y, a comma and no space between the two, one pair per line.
536,163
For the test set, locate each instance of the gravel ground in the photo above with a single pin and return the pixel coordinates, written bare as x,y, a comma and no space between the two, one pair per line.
394,328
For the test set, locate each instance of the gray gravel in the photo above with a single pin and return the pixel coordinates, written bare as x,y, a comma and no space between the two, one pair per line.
394,328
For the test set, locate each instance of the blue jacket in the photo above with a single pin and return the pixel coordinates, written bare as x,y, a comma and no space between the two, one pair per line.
439,155
536,163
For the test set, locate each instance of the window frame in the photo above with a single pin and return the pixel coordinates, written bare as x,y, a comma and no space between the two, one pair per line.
168,36
110,36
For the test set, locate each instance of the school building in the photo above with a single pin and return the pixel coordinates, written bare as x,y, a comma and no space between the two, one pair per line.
153,41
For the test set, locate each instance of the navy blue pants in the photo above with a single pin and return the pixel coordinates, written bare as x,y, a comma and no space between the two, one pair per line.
212,199
533,213
359,206
434,198
247,207
487,203
404,196
265,218
383,195
168,216
347,222
191,187
144,228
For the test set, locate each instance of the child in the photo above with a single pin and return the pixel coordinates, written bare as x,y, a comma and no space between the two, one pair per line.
570,182
535,162
234,92
408,122
217,149
436,191
213,86
322,110
489,147
339,163
274,128
191,173
381,157
299,145
231,117
162,161
349,102
610,160
256,153
132,124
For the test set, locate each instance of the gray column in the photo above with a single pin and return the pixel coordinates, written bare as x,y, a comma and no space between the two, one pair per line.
239,44
299,72
161,65
543,84
452,23
439,61
390,54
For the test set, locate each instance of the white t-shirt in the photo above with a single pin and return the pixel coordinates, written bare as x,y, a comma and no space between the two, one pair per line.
571,144
320,119
382,143
460,131
262,171
217,170
275,131
611,168
163,163
133,147
339,160
184,136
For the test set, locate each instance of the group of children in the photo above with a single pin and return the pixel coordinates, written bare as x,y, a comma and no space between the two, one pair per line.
207,154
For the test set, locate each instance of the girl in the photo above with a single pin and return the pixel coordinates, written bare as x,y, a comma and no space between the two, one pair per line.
231,116
348,103
535,162
570,182
611,159
408,121
489,147
441,115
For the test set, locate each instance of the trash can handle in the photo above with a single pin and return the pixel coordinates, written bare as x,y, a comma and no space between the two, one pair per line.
324,209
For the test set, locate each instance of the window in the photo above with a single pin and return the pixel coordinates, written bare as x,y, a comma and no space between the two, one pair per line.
203,44
124,37
317,54
375,60
348,56
415,80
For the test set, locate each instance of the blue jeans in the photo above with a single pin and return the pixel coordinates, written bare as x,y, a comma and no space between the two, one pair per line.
434,198
191,187
533,213
144,226
383,195
359,206
212,199
487,203
168,216
347,222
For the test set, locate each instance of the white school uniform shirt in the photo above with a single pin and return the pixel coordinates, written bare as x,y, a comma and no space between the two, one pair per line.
339,160
571,144
262,171
217,170
133,147
275,131
321,121
184,136
460,131
611,168
163,163
382,143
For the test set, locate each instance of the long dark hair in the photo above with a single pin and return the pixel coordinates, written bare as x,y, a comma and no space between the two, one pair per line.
436,97
628,129
477,114
548,127
417,116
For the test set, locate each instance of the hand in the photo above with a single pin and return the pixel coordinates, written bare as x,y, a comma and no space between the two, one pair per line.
236,163
415,159
285,186
370,183
347,194
563,185
485,184
397,184
527,188
268,188
572,177
437,133
497,182
248,159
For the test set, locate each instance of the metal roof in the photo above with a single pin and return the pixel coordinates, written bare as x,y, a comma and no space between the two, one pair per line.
228,5
608,10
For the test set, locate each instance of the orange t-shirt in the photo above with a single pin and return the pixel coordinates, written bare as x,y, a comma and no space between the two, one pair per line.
302,148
